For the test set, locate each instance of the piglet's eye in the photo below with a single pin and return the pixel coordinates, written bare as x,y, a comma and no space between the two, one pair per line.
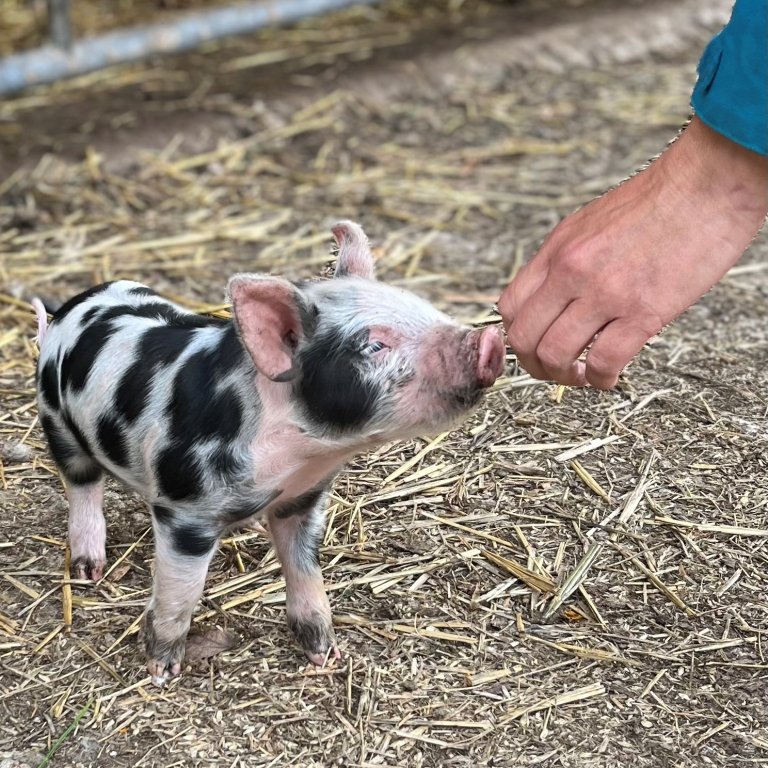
373,347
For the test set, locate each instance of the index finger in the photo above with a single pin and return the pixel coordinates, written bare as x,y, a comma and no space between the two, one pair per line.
522,286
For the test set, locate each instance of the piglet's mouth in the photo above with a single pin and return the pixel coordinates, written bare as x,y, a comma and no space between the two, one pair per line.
466,399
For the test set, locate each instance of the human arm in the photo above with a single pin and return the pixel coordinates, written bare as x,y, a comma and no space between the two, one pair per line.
628,263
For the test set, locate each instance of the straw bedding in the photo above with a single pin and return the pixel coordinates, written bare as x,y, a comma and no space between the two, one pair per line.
572,578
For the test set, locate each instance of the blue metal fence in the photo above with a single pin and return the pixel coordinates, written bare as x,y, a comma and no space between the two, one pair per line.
65,57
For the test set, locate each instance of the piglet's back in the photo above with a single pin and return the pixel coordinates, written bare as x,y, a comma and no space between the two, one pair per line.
118,361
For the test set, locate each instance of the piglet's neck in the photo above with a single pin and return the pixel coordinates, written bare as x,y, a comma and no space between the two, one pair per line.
283,455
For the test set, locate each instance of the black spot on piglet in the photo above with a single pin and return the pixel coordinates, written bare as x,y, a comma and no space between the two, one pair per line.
332,387
75,301
197,413
162,514
78,362
76,465
112,440
193,540
89,314
158,347
301,504
142,290
178,473
49,384
77,433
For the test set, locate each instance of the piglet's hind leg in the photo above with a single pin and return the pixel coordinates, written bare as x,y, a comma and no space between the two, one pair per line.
87,530
296,535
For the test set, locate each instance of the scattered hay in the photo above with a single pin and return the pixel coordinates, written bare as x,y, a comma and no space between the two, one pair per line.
572,578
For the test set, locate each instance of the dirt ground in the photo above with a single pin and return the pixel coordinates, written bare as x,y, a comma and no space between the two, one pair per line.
458,134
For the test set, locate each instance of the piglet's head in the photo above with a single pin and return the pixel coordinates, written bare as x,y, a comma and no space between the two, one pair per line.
363,360
274,316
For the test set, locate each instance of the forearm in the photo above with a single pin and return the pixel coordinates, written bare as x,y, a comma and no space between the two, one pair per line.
728,178
627,264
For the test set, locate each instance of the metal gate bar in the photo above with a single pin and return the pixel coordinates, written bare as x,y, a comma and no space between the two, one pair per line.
67,58
59,23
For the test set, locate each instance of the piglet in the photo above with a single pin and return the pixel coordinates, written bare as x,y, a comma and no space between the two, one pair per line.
218,423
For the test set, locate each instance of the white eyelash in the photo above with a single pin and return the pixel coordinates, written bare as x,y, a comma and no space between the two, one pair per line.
373,347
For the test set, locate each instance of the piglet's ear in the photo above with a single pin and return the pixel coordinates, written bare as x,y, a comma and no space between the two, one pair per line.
268,316
355,257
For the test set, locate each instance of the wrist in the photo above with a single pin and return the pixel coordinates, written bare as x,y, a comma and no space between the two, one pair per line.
710,170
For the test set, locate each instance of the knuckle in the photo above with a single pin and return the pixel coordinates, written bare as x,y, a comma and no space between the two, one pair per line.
573,260
532,368
519,342
510,303
551,357
602,370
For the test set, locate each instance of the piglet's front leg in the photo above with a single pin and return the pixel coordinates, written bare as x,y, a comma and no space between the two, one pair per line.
297,528
183,552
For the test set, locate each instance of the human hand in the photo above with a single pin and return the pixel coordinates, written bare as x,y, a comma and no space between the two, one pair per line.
614,273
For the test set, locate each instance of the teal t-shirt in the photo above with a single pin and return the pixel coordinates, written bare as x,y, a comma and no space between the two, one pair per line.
731,94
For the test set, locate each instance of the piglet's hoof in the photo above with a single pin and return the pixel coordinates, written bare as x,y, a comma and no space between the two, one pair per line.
321,659
315,635
162,671
87,569
164,657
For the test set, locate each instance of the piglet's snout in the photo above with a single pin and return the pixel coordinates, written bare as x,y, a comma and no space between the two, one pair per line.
490,356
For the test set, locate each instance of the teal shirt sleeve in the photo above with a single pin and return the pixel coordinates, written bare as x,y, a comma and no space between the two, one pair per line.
731,94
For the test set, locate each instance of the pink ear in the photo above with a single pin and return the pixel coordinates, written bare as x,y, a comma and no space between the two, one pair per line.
268,319
355,257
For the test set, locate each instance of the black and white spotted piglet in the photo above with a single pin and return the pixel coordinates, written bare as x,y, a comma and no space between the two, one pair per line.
217,421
